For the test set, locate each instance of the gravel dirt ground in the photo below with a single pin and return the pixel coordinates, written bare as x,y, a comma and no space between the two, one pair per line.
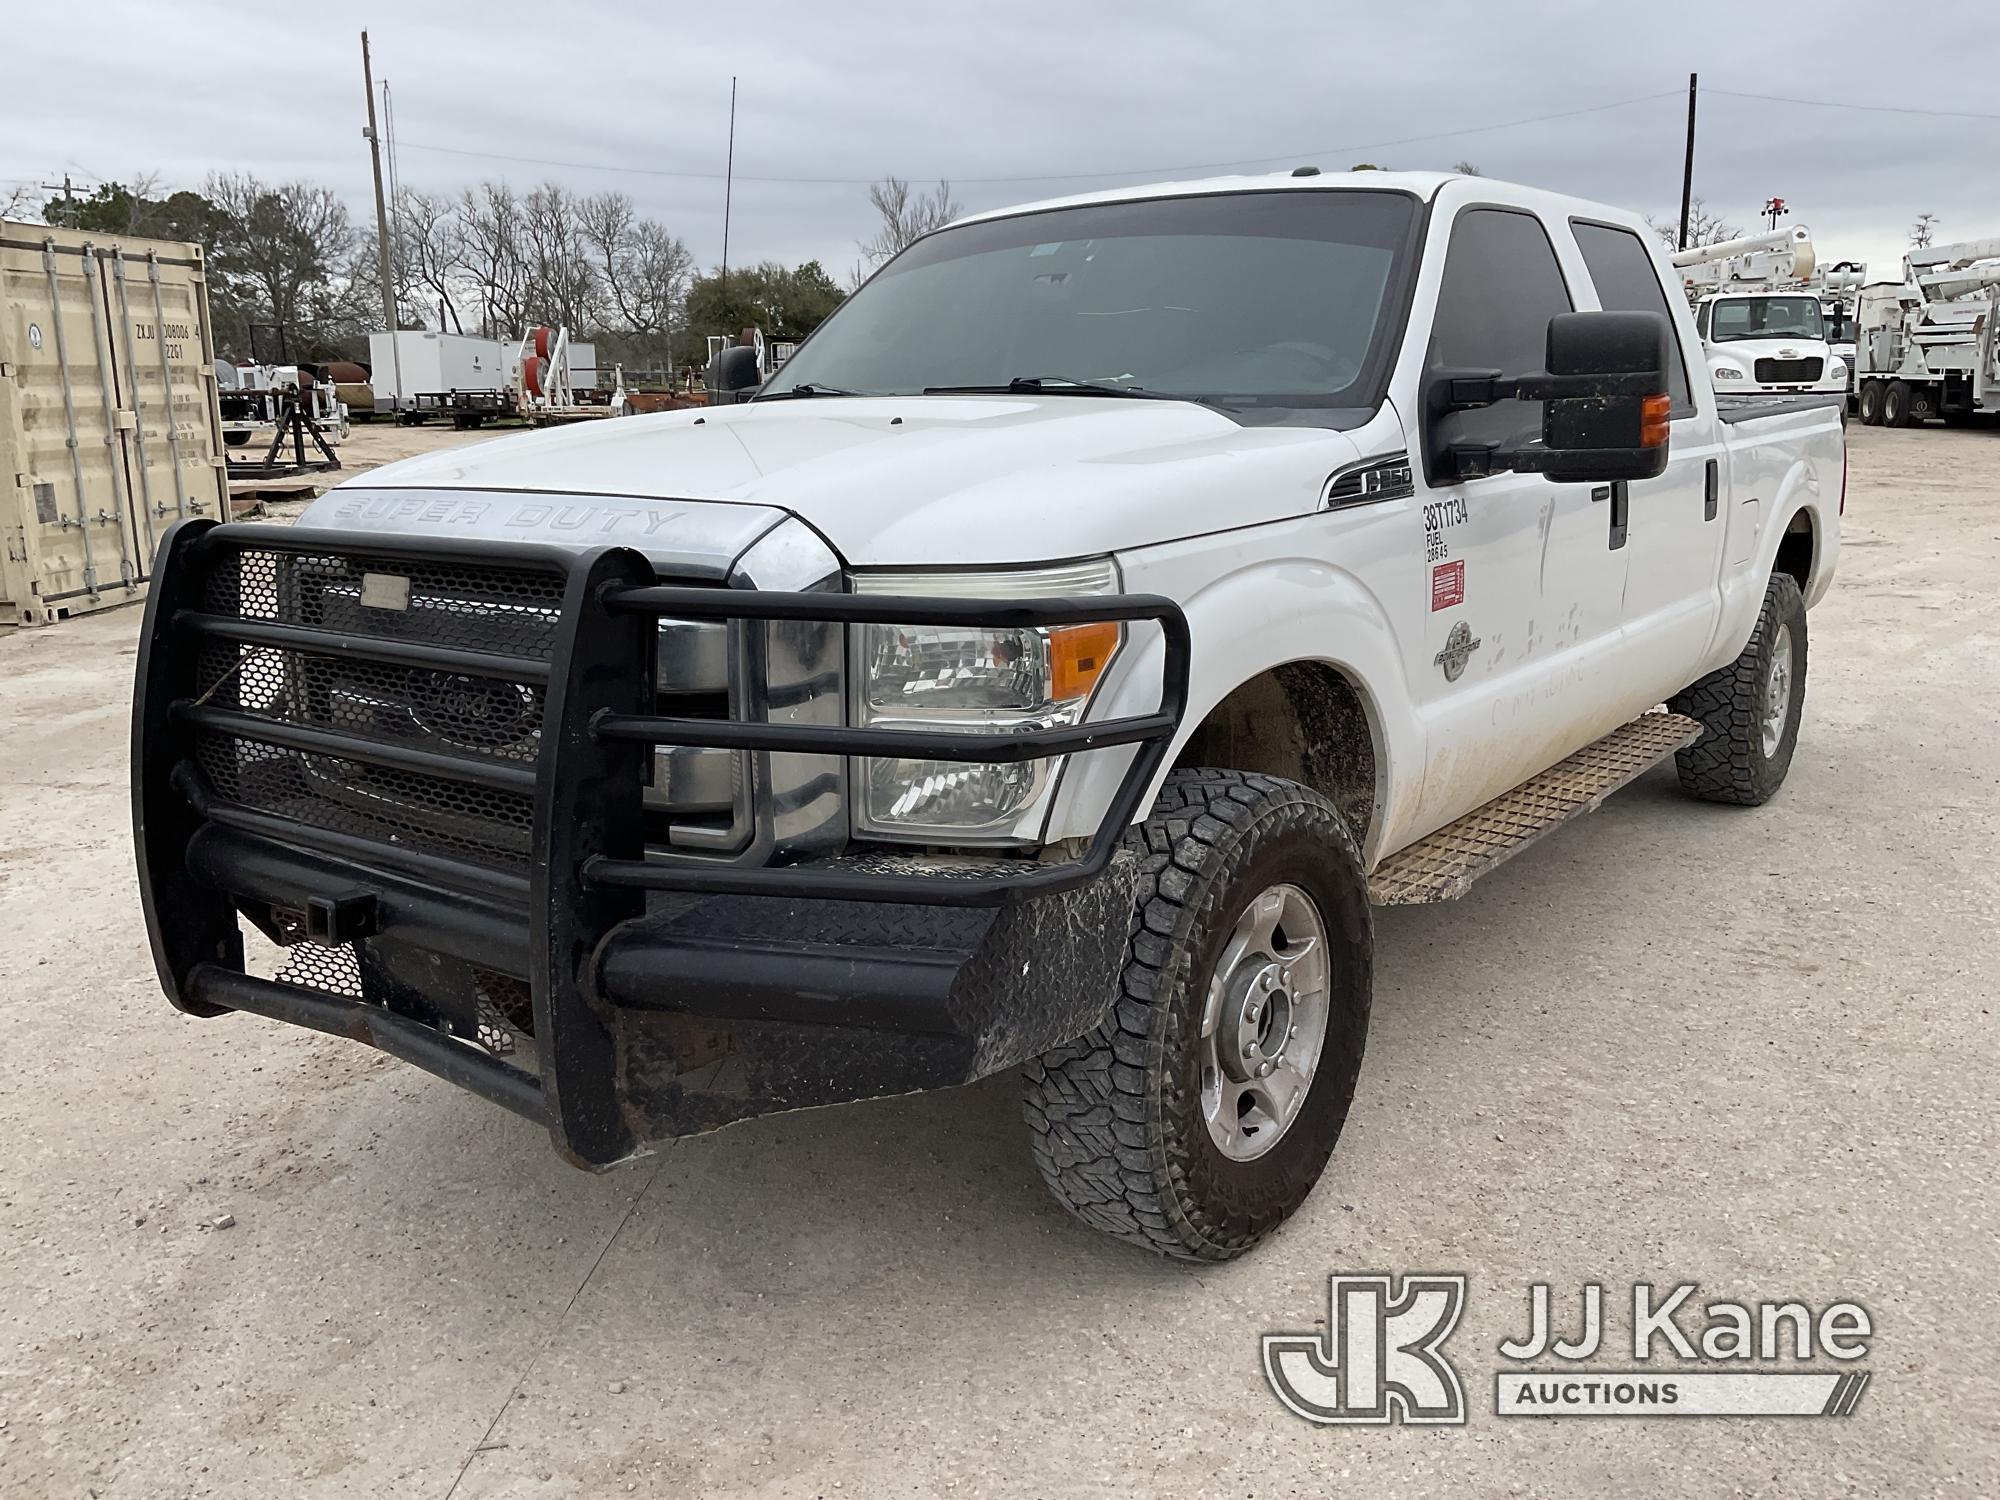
1677,1042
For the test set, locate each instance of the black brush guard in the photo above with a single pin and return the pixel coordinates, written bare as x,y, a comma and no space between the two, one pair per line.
729,990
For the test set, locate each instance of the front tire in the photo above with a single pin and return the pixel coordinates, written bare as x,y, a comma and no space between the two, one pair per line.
1750,708
1200,1115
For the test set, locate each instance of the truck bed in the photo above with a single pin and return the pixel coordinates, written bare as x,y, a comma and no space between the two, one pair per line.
1729,408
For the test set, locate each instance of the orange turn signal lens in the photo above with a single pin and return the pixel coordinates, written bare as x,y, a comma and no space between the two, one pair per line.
1655,414
1078,655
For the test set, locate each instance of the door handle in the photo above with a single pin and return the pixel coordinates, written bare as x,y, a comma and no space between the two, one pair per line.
1602,492
1711,490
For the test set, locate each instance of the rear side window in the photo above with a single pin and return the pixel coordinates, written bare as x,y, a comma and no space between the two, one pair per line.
1622,269
1501,286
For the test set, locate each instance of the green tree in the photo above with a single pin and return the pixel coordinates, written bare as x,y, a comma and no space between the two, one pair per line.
786,302
115,208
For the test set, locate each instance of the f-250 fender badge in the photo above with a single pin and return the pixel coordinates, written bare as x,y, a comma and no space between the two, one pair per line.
1458,648
1387,478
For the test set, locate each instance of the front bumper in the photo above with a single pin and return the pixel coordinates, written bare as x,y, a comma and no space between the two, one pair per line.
655,999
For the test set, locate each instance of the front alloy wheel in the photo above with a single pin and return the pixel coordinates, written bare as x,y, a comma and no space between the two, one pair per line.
1264,1024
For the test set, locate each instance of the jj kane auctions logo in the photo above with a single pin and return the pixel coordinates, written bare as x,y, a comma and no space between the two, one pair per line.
1381,1356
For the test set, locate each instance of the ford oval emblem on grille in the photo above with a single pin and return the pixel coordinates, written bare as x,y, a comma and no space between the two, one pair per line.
471,710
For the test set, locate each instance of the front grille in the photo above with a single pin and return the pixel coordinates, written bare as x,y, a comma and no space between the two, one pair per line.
479,717
458,606
1774,371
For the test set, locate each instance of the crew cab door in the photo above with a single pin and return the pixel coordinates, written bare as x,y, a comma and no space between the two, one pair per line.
1674,523
1525,577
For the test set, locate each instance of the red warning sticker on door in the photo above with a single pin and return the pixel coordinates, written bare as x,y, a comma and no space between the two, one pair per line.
1447,584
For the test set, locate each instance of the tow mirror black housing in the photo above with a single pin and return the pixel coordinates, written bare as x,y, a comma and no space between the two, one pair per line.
1605,414
732,372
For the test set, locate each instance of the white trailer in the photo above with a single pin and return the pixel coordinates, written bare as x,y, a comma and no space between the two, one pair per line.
416,362
1927,347
1760,314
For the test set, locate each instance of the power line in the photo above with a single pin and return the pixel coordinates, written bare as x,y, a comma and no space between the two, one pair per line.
1877,109
1212,166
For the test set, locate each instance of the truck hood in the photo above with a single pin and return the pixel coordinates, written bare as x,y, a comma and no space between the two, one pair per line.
895,481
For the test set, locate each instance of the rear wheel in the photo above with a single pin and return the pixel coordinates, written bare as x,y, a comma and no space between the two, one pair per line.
1869,403
1896,404
1750,708
1199,1116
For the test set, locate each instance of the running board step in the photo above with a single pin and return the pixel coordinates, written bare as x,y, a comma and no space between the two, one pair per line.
1441,866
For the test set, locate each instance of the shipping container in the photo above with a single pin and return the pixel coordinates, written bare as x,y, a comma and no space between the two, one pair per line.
108,423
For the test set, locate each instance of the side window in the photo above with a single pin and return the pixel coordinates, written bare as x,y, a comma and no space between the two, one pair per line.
1622,269
1701,321
1501,286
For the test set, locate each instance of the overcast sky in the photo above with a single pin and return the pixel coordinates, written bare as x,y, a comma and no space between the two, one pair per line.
1057,98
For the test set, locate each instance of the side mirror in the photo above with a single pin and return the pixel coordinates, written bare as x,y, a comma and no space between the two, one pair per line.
1605,414
732,372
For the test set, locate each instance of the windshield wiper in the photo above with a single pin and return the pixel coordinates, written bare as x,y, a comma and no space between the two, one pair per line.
806,389
1053,385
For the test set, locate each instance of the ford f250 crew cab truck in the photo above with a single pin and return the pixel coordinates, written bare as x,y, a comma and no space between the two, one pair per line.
1047,669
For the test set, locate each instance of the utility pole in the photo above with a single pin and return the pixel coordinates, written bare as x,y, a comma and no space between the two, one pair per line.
382,224
728,189
62,187
1687,169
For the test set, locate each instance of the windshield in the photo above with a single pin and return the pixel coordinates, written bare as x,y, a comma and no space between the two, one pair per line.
1284,299
1765,318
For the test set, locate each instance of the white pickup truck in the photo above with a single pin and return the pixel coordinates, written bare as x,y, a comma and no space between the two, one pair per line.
1047,670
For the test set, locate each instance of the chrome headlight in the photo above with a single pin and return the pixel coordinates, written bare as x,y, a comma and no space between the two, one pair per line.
953,678
1726,372
1836,369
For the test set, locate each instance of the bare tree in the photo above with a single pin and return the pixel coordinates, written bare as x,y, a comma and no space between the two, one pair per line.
643,269
428,235
1705,227
490,233
906,216
560,286
1466,169
1923,231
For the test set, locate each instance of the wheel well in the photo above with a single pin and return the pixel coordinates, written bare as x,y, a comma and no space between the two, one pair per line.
1304,721
1795,549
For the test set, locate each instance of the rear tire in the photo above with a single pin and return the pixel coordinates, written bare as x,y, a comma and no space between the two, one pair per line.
1750,708
1896,404
1152,1128
1869,403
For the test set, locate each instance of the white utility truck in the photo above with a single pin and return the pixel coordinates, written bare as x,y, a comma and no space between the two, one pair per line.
1048,669
1930,347
1759,313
